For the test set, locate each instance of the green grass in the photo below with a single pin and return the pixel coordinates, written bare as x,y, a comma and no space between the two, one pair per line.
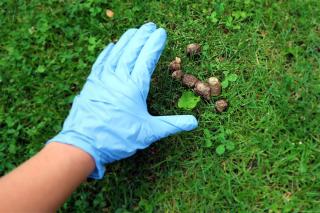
48,47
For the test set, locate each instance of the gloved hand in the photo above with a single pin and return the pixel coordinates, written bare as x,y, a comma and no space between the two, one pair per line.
109,119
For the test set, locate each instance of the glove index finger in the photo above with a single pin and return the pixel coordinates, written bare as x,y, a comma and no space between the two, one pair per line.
114,56
128,59
148,59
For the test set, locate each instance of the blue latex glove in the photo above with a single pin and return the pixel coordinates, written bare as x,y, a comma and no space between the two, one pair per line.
109,119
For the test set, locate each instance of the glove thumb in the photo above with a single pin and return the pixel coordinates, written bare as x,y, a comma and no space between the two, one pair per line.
169,125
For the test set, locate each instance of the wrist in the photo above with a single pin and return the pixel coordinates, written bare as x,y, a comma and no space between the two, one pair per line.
71,155
80,141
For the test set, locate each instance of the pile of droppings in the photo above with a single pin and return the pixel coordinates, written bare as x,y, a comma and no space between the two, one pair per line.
204,89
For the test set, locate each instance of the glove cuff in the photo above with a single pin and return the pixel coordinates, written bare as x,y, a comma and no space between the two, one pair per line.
76,139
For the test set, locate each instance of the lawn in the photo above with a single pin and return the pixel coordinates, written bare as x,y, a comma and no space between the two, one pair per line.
46,52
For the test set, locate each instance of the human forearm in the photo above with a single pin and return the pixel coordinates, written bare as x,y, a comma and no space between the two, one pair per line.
45,181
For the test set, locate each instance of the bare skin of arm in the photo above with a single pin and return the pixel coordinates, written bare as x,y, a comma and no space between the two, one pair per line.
45,181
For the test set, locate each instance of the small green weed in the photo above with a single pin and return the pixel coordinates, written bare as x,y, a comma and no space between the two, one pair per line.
228,78
188,100
221,138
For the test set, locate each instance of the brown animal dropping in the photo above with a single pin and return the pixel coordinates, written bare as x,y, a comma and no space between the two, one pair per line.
215,86
178,74
193,49
221,105
203,89
189,80
175,64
